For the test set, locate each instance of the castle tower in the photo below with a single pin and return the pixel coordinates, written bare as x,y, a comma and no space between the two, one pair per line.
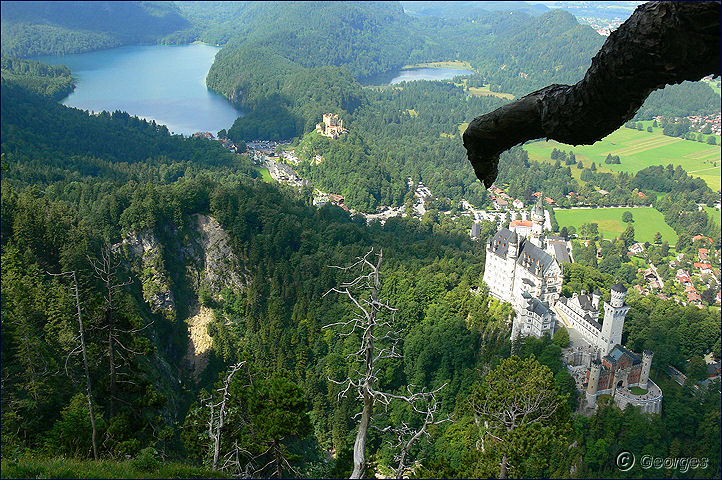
595,371
646,365
596,298
513,251
537,218
614,313
616,379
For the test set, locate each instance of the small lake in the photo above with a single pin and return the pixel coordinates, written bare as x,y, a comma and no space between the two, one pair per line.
398,76
162,83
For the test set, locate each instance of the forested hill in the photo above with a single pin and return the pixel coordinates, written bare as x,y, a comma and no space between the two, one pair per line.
303,58
465,9
74,184
57,28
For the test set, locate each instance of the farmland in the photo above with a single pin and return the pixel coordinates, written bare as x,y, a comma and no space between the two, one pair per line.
647,222
484,91
640,149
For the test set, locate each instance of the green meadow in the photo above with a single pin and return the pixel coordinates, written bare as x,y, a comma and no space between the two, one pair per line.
715,214
265,174
647,222
640,149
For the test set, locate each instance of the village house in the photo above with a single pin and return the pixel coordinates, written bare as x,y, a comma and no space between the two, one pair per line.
636,249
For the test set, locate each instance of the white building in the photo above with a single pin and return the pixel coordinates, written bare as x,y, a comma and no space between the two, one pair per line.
534,318
581,312
519,271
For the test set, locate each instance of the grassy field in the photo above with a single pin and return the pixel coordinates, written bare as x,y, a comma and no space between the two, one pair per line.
715,215
647,222
484,91
640,149
715,85
265,174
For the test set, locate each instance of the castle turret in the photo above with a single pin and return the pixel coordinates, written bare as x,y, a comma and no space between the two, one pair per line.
646,366
594,373
537,218
596,298
614,313
619,293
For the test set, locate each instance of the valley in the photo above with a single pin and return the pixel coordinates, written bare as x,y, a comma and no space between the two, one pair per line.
215,257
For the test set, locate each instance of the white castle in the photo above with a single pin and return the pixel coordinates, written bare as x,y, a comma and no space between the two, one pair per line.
519,271
523,268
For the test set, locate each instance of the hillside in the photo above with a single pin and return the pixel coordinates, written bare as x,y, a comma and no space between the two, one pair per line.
304,40
58,28
167,312
465,9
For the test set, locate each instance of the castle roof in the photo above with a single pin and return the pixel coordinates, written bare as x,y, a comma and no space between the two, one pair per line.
582,305
500,242
561,253
619,288
534,259
619,352
536,306
538,207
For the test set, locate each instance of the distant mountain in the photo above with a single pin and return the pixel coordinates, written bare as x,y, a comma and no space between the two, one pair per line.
52,28
468,9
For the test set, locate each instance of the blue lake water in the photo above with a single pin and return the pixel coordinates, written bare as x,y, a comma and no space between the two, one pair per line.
162,83
428,74
398,76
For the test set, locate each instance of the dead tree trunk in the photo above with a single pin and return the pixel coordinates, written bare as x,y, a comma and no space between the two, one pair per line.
88,388
379,341
504,467
359,448
661,43
106,270
215,425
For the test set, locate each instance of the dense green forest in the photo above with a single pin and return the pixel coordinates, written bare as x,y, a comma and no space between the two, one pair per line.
58,28
256,69
74,184
687,98
54,81
177,245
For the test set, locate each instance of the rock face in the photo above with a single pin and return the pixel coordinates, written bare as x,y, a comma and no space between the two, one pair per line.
220,266
152,272
210,266
200,343
661,43
210,263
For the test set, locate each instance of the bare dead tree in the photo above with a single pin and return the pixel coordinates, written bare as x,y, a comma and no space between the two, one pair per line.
661,43
218,412
106,270
379,340
371,312
89,390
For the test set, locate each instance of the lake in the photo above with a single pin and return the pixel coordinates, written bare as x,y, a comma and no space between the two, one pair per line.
398,76
162,83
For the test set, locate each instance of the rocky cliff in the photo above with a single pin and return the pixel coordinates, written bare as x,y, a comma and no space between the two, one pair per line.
204,254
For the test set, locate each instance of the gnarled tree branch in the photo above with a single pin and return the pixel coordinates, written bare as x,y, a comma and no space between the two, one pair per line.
661,43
